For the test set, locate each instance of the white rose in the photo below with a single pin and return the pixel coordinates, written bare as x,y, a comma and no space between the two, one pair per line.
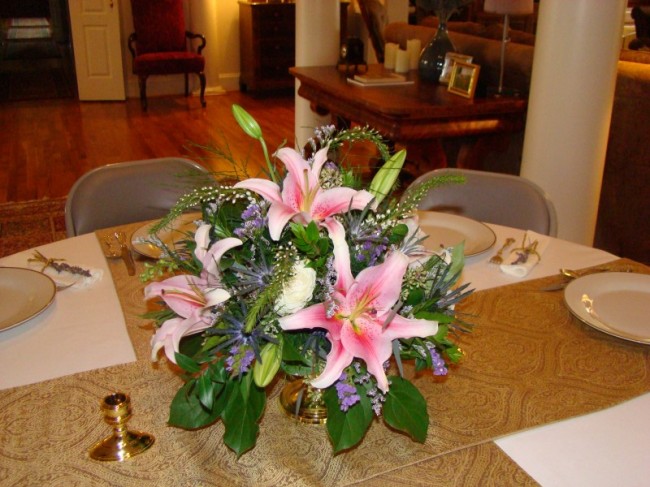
297,292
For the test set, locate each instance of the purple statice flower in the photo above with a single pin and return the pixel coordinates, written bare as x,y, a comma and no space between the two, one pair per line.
371,246
252,222
438,364
239,361
377,399
347,393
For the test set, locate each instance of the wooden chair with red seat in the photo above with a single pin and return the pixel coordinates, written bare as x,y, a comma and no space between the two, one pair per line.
160,44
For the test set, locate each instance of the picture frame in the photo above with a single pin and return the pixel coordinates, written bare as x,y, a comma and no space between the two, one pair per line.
464,77
450,59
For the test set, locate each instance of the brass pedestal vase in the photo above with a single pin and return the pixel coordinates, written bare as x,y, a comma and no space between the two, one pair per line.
303,402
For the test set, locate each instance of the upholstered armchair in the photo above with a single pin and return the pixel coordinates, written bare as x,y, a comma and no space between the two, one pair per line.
160,44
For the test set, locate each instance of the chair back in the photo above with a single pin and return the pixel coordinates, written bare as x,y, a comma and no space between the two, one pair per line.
129,192
159,25
502,199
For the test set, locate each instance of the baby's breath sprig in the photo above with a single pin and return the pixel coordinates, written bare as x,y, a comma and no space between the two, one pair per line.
282,273
414,194
199,196
158,269
356,134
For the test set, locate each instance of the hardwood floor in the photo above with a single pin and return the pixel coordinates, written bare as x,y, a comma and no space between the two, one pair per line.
46,145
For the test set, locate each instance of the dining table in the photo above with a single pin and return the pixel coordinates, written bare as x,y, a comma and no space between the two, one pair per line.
539,398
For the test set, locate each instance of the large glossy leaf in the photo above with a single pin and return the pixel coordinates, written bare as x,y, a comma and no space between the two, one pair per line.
186,363
241,415
405,409
346,429
186,410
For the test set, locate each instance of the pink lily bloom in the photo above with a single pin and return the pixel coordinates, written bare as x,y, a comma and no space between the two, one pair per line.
190,297
302,198
358,328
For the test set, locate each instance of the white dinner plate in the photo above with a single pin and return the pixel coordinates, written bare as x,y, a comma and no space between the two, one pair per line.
447,230
617,303
174,233
24,294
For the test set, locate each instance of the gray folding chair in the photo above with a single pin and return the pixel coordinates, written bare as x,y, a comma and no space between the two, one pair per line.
502,199
129,192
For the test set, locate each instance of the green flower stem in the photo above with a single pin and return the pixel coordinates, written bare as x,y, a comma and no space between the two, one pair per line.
272,173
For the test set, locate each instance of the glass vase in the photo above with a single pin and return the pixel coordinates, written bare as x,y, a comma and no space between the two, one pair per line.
432,59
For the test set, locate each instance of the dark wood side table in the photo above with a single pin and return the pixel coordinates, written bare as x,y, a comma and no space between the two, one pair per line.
418,116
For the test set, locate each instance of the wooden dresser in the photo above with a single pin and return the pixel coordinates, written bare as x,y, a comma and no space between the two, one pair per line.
267,34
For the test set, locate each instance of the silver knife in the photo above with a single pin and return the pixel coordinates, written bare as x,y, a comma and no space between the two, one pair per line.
125,253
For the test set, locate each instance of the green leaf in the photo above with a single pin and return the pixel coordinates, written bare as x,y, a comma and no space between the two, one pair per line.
399,232
457,259
243,411
191,345
312,232
265,369
323,246
434,316
206,390
347,428
186,410
187,364
415,296
454,354
405,409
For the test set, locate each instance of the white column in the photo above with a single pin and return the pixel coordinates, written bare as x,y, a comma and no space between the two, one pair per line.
318,31
203,20
571,95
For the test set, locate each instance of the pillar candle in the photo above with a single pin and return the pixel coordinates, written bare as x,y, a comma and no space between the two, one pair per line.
390,53
414,47
402,61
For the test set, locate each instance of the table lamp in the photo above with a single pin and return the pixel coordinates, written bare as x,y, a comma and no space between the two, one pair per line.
507,8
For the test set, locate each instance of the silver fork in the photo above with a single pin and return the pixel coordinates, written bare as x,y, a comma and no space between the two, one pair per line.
498,257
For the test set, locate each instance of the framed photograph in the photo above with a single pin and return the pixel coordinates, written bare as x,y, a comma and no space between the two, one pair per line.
450,59
464,77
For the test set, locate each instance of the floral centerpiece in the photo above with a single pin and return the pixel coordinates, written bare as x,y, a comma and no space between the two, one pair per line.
305,274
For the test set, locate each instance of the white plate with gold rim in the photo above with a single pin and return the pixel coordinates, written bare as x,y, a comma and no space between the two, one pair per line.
617,303
446,230
170,236
24,294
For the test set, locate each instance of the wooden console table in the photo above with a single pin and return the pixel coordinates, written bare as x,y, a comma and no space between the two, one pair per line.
418,116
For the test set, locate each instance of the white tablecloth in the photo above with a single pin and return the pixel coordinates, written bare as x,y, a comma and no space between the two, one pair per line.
83,329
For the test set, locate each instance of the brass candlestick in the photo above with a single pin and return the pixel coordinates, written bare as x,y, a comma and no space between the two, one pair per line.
122,444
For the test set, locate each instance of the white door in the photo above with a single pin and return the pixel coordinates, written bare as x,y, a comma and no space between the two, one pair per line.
95,26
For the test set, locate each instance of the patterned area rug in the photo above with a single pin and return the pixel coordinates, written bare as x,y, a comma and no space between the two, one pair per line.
28,224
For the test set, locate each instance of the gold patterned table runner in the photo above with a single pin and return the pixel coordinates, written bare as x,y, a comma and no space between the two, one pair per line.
529,362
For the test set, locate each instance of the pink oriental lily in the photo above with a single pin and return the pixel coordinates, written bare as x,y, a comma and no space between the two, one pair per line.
363,305
302,197
190,297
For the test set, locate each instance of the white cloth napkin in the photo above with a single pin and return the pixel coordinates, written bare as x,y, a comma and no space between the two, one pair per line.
65,278
526,254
